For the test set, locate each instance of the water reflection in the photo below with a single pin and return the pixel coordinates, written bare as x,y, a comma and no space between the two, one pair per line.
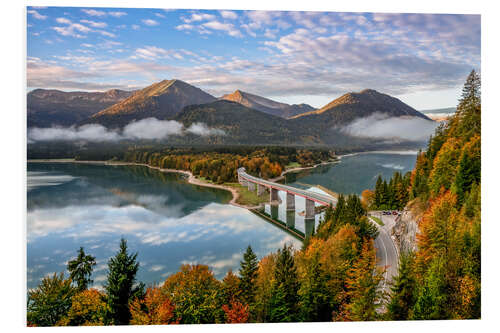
168,221
355,173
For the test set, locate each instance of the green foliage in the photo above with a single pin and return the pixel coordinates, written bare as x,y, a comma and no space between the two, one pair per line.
392,195
80,269
120,290
50,301
313,293
432,296
248,274
196,295
403,287
284,297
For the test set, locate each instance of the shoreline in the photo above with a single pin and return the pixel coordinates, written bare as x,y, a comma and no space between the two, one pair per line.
191,178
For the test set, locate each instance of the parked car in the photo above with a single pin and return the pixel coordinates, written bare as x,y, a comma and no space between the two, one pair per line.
394,213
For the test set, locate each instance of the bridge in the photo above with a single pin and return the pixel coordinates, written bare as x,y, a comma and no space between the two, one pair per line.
261,185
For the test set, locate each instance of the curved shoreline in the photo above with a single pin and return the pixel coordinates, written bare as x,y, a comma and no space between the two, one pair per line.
191,178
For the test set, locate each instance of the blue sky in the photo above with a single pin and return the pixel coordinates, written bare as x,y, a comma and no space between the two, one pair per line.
292,57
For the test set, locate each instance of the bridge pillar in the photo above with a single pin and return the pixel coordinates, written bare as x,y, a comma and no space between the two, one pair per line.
274,212
251,186
260,189
309,226
290,201
274,194
309,209
290,219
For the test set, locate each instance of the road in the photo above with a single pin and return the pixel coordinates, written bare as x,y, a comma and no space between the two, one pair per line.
387,253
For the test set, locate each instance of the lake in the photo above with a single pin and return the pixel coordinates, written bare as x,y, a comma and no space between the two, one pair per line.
166,220
354,173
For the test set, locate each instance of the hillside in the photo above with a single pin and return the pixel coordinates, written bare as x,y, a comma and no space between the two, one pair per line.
350,106
47,108
162,100
267,105
242,125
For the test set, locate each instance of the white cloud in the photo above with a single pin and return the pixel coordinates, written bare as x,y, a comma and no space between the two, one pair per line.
203,130
63,20
144,129
227,14
36,14
152,128
86,133
227,27
150,22
92,23
382,126
93,12
196,17
117,14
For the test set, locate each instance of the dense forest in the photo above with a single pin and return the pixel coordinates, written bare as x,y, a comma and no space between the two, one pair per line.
220,165
333,276
442,280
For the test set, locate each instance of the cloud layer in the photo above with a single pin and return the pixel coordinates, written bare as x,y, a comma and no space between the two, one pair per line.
145,129
382,126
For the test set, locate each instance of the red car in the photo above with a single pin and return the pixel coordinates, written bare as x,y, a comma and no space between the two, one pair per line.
394,212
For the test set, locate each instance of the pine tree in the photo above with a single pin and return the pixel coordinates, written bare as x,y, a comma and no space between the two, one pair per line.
362,286
378,192
120,284
314,305
248,274
80,269
284,296
402,297
432,298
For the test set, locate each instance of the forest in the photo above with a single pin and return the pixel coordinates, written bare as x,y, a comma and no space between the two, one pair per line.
219,166
333,277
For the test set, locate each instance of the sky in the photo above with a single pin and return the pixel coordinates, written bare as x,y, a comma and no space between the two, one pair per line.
291,57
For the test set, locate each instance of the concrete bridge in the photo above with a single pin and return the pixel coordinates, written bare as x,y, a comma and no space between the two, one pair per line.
261,185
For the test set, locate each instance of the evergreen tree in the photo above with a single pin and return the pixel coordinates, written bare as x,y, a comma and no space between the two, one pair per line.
402,297
378,192
432,299
385,195
120,284
284,295
314,304
248,274
80,269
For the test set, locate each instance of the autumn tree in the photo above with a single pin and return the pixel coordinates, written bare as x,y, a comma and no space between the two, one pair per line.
231,289
80,269
264,282
196,295
363,291
50,301
154,309
120,290
88,308
236,312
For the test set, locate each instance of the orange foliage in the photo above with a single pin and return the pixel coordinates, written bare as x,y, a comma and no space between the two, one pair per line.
154,309
236,313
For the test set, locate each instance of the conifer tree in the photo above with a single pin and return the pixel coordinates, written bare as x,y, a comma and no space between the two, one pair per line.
248,274
80,269
378,192
402,297
314,305
120,284
284,295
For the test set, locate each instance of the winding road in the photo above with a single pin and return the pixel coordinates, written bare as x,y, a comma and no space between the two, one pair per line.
387,254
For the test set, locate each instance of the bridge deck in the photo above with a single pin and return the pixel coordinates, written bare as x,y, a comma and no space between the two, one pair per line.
317,197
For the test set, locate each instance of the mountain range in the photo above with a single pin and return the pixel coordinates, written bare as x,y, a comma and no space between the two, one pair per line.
48,108
267,105
244,118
